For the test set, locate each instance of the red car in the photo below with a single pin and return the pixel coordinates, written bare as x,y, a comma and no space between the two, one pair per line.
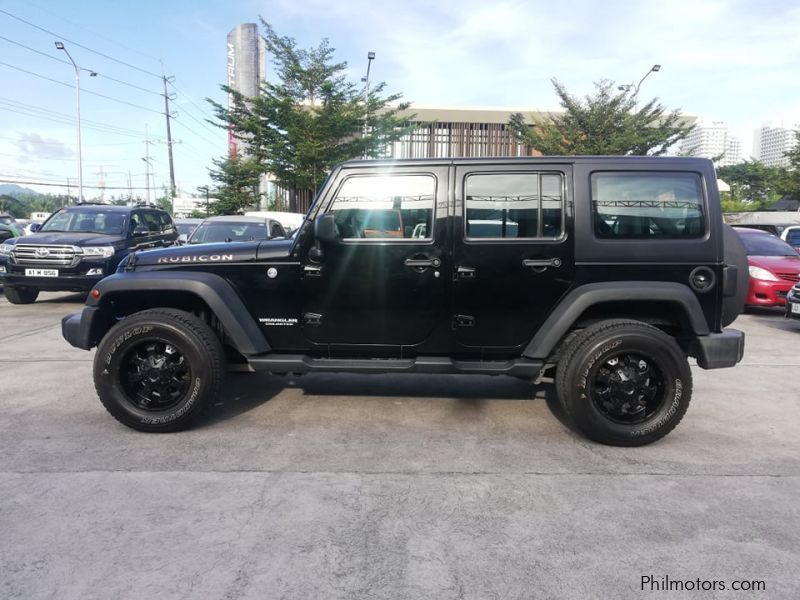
774,267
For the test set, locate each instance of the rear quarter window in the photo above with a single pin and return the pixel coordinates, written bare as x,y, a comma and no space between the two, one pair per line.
645,205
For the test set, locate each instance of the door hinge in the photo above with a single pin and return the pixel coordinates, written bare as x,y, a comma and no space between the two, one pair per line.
312,319
312,270
463,321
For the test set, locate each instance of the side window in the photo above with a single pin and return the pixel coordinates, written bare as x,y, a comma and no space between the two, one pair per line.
136,222
276,230
166,223
647,205
152,221
385,207
514,205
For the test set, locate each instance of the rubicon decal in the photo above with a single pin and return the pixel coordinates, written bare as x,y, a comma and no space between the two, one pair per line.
196,258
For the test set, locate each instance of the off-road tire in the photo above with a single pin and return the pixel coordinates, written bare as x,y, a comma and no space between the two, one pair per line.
580,360
202,365
24,295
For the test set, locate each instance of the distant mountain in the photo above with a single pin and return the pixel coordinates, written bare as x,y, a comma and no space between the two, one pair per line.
12,189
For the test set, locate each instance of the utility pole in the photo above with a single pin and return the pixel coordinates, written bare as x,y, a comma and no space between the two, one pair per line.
365,79
130,189
167,114
146,160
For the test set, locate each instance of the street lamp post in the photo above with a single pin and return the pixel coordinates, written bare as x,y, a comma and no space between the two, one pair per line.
365,79
60,46
627,87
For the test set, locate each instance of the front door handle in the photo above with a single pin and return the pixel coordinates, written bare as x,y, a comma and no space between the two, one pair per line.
541,263
422,263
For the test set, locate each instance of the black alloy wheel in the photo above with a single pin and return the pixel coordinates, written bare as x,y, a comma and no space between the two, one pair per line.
155,375
628,388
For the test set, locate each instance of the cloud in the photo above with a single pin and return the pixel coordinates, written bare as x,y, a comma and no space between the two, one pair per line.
33,147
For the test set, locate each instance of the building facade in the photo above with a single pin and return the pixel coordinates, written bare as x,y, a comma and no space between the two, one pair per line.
713,140
771,143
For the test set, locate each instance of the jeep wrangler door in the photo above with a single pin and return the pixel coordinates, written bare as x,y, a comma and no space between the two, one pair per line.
512,253
380,285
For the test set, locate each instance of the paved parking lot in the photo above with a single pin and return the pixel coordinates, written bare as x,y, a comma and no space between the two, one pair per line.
346,486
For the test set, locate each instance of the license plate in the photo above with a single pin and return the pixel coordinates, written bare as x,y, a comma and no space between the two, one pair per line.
41,272
795,308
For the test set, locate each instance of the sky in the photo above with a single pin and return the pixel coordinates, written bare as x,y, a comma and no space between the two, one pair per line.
731,61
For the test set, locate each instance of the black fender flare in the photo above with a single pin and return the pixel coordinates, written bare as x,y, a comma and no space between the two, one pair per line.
571,306
215,291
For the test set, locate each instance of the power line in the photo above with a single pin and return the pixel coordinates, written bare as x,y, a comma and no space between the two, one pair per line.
116,60
205,139
65,62
32,110
65,184
100,35
139,106
58,143
189,100
69,122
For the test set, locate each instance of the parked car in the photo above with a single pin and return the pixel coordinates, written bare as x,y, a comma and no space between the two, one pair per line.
611,315
791,235
6,219
236,229
185,228
773,264
7,232
78,246
793,302
291,221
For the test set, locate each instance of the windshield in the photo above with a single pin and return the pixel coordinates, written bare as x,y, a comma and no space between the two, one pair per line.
87,221
186,228
229,231
766,245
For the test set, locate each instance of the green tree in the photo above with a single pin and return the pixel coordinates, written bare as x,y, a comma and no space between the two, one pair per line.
237,182
608,122
311,117
793,172
753,184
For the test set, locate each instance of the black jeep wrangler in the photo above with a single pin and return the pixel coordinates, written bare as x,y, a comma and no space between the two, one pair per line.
609,271
77,246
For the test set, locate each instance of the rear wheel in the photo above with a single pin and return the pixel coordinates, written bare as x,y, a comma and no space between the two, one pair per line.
158,370
22,295
624,383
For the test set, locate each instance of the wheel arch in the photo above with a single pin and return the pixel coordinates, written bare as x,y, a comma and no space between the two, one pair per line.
197,292
654,302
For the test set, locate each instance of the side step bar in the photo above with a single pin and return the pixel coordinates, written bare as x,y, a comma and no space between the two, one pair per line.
300,363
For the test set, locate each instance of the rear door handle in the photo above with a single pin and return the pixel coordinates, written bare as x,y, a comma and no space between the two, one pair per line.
541,263
421,263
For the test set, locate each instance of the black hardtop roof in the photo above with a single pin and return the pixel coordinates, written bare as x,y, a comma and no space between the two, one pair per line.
108,207
678,161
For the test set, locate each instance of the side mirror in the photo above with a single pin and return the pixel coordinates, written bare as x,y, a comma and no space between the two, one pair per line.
182,239
141,232
325,229
35,227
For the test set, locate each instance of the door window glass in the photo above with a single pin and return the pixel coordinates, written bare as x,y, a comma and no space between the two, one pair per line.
390,207
514,205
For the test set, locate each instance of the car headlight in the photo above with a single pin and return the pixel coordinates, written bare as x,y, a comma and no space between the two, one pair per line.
98,251
6,248
762,274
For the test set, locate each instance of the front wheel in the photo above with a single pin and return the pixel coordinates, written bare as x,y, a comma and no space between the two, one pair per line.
24,295
624,383
158,370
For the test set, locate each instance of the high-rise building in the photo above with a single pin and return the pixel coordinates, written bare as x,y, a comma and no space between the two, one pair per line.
771,143
713,140
246,69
